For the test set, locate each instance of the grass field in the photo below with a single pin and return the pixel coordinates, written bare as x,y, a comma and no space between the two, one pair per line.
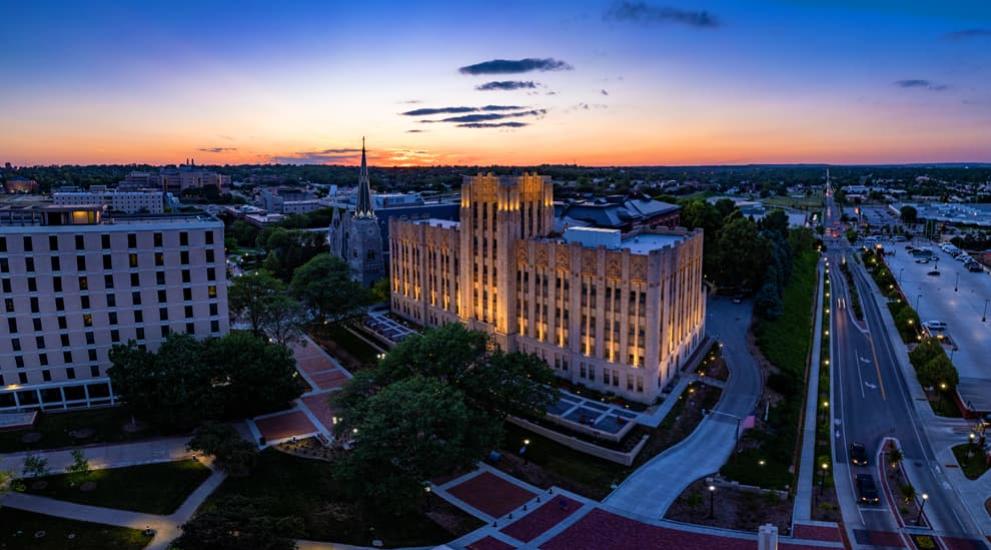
18,529
289,486
55,430
149,488
799,203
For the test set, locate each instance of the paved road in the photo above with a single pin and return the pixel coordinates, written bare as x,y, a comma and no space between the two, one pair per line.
871,402
650,490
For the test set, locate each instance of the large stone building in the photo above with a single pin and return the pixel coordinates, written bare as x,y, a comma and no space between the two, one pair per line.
144,201
612,311
75,281
356,237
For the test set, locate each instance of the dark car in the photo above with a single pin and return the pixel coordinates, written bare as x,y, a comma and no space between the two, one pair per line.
867,490
858,454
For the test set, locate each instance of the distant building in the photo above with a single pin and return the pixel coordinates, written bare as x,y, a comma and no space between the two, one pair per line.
17,184
288,200
76,281
356,236
617,312
624,214
144,201
172,179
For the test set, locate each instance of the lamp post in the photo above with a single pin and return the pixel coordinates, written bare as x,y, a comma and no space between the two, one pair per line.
526,443
822,479
712,500
917,298
973,440
956,285
925,499
984,317
900,276
942,391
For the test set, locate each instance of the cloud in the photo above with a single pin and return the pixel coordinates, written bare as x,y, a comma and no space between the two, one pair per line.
480,117
217,149
427,111
511,66
325,156
920,83
415,131
507,85
968,33
512,124
647,14
603,92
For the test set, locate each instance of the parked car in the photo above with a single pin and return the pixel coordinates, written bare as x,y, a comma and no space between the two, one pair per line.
867,490
858,454
974,267
935,325
922,261
934,273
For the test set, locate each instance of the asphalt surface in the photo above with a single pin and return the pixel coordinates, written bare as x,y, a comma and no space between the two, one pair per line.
870,403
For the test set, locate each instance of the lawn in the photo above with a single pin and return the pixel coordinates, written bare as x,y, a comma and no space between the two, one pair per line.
18,528
289,486
150,488
785,342
973,463
105,424
799,203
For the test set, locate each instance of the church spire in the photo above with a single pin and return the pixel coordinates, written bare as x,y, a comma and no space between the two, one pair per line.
363,209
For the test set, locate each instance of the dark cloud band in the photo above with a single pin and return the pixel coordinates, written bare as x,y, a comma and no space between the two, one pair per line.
642,12
507,85
512,66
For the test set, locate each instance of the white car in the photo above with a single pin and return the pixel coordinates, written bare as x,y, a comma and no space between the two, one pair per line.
935,325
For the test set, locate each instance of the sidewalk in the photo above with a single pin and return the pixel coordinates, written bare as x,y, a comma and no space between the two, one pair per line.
166,527
649,491
806,468
107,456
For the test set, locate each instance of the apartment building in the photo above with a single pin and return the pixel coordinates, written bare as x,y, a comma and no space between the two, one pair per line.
74,281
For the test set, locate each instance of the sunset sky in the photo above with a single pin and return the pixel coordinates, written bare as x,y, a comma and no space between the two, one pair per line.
588,82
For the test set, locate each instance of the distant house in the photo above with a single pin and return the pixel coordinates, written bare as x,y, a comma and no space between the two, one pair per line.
18,184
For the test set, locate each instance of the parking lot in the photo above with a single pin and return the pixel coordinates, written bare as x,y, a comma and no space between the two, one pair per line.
958,297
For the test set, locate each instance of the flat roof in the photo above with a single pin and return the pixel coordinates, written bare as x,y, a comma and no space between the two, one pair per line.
645,243
437,222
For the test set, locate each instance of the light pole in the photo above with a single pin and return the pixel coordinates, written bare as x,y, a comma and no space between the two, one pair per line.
526,443
970,449
822,479
900,271
925,499
917,299
984,318
942,391
712,500
956,285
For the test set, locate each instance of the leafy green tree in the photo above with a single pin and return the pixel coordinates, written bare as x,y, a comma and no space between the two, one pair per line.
381,290
743,254
909,214
324,286
78,471
926,351
236,523
410,431
287,249
172,388
284,320
938,370
231,452
243,232
256,376
35,466
250,297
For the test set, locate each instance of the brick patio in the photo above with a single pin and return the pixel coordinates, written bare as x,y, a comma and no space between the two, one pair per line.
285,425
491,494
540,520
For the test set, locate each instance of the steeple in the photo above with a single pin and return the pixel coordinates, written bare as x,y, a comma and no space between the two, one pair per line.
363,209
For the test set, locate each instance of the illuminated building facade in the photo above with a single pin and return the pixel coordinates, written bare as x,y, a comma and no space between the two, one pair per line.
617,312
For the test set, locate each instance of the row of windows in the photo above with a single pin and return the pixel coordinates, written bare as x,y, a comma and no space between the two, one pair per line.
108,281
108,263
112,318
80,241
46,375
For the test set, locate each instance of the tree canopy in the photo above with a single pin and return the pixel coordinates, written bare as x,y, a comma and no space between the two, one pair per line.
235,523
325,288
188,381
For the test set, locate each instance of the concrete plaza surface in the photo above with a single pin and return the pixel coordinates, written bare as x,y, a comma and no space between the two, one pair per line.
958,297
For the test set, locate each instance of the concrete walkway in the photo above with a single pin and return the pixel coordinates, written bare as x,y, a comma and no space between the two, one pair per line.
166,527
119,455
806,469
649,491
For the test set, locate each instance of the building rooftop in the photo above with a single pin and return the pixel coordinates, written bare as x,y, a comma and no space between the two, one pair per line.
645,243
613,239
436,222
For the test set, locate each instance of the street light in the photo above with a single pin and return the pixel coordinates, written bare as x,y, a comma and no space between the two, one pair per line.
925,499
984,317
712,500
917,298
822,480
956,285
970,449
942,391
900,276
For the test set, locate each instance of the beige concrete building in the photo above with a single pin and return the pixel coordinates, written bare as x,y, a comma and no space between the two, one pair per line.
74,282
617,312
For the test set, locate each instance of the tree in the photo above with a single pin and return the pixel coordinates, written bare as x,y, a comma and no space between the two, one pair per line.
907,491
79,469
895,457
410,431
926,351
172,388
250,297
35,466
324,286
381,290
287,249
285,319
243,232
255,375
937,371
6,480
909,214
237,522
230,451
743,254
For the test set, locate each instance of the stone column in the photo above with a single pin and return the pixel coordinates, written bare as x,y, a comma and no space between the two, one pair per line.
767,537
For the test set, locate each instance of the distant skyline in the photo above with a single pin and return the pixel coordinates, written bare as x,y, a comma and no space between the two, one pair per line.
512,83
